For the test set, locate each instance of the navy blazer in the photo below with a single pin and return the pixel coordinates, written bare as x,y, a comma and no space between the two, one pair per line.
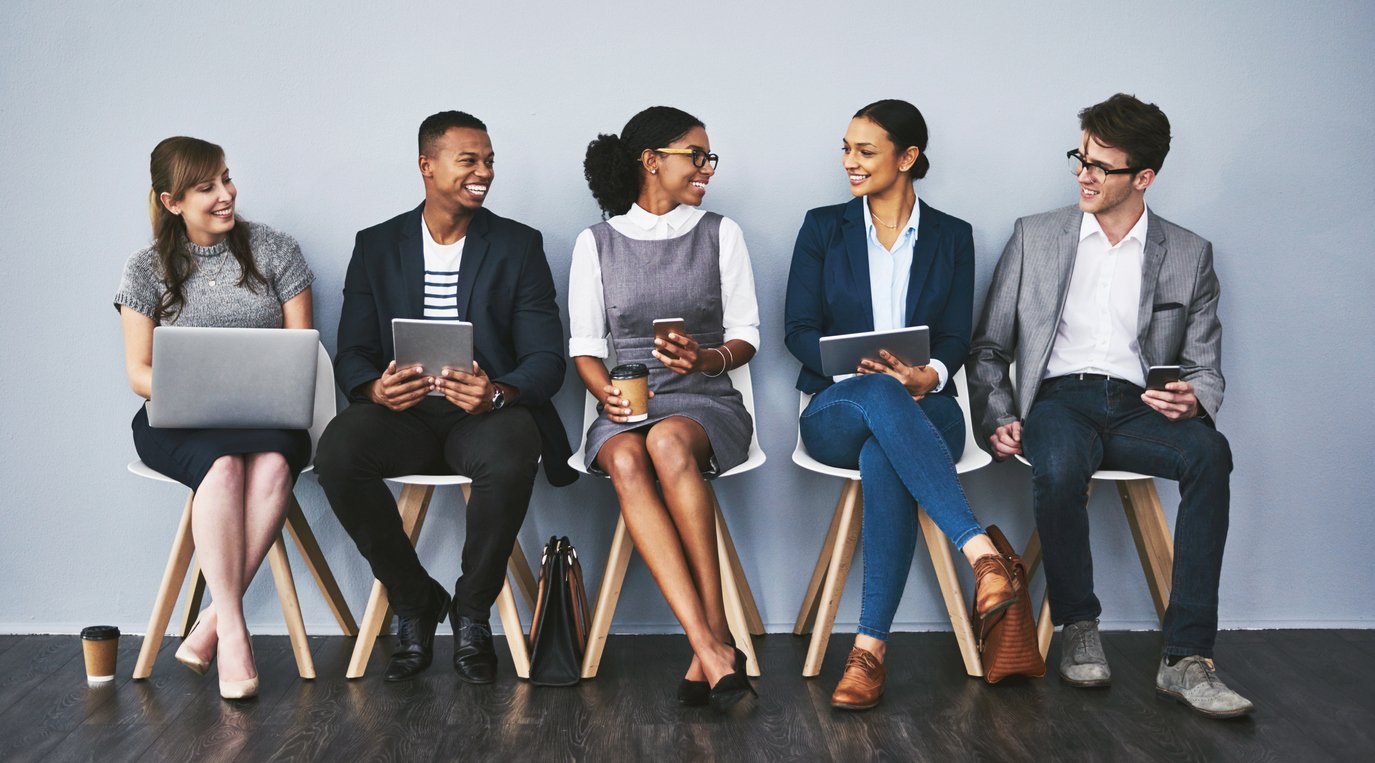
828,286
505,289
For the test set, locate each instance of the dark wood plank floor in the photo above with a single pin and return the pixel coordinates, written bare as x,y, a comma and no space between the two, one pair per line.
1312,689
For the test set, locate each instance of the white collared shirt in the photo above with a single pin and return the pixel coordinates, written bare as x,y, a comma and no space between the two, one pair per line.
890,273
1097,330
587,303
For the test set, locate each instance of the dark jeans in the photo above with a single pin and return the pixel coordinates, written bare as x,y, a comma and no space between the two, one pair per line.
500,451
903,450
1078,427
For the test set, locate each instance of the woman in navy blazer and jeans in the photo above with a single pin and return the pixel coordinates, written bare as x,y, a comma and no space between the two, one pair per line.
886,260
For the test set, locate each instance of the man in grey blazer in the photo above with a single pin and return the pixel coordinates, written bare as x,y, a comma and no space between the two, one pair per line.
1085,299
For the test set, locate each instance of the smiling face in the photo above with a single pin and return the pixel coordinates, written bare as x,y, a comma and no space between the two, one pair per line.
207,208
872,162
1114,193
673,179
459,174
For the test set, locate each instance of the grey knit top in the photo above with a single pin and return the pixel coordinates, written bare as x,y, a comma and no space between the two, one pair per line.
225,303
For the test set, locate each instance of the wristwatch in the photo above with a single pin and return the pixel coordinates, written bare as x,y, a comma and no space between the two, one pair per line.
498,398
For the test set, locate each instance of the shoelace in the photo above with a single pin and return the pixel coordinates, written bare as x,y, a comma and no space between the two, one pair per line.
476,630
1209,672
1081,642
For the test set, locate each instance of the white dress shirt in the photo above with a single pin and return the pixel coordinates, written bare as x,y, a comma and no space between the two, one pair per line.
890,272
1097,331
587,302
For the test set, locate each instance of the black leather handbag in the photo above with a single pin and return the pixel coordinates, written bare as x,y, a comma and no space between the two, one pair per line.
558,632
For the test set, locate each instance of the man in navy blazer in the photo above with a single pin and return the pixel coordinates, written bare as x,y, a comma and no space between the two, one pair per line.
449,258
1085,299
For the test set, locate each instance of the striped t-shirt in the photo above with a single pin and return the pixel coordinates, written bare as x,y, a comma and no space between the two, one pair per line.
441,276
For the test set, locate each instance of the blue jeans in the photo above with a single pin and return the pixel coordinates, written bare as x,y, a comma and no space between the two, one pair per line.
903,451
1077,427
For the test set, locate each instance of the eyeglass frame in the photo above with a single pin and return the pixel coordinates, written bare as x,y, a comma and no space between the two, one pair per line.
1078,155
707,156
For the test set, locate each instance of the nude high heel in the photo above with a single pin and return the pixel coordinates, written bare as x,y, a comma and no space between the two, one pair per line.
245,689
189,658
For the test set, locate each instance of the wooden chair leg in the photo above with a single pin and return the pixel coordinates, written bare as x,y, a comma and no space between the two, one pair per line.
172,576
1151,532
291,608
519,568
842,554
515,632
304,537
607,595
1044,627
736,618
195,594
807,612
413,504
754,622
1031,556
943,562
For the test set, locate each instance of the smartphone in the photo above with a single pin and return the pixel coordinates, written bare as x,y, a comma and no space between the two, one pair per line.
665,326
1158,376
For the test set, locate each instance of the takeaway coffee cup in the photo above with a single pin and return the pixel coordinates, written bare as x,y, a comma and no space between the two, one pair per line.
100,644
632,379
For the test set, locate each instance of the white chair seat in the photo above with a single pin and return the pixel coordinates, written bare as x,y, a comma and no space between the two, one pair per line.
1110,475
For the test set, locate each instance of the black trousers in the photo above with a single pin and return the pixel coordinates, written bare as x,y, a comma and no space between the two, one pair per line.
500,451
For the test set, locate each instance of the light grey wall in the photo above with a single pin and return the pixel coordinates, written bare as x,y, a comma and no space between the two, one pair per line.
317,108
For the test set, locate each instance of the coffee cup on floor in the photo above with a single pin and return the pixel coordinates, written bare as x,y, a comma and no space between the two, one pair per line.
100,645
632,379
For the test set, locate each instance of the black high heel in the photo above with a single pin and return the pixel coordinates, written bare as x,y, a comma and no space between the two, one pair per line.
698,693
732,688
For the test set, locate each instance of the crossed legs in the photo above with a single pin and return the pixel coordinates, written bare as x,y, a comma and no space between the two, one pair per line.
235,518
675,533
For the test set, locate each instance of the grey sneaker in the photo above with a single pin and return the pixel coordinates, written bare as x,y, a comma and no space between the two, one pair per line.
1194,682
1082,662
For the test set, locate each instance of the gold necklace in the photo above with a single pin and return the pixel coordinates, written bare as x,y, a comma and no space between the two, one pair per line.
224,258
881,222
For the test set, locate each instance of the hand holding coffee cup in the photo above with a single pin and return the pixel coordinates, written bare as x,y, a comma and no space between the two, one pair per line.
679,352
626,398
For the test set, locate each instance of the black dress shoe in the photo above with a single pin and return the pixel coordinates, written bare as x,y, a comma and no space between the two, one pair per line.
475,661
415,635
732,688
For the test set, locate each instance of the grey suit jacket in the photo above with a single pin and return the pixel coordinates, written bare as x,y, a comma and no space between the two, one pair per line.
1177,322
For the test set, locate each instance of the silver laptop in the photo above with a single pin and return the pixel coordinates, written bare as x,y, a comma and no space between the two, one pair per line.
841,354
232,378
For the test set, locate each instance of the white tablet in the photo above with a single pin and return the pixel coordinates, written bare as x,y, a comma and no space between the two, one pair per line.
433,345
842,353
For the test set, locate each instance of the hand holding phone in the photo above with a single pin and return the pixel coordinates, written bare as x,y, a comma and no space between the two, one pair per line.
665,326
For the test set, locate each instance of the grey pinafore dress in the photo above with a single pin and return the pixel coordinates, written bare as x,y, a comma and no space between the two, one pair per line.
671,278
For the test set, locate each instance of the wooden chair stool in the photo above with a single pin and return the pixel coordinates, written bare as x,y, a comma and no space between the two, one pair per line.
827,585
1150,531
183,550
742,614
414,503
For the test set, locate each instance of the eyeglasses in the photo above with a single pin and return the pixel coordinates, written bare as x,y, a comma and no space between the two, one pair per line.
1097,172
700,158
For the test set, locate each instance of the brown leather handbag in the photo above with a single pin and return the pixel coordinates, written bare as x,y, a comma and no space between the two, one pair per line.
1007,639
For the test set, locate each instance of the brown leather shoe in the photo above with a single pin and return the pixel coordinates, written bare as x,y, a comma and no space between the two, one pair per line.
862,685
993,590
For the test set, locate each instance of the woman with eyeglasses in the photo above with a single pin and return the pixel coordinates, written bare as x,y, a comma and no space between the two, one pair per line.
887,260
209,267
659,256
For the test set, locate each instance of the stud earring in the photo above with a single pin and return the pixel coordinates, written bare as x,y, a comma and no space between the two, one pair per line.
653,172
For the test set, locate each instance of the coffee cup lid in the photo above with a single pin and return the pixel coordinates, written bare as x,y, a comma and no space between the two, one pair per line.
629,371
100,632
